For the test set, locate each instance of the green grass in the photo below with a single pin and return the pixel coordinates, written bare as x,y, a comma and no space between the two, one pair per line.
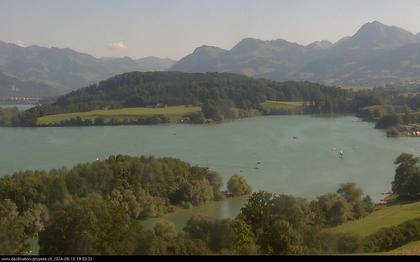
33,247
412,248
285,105
173,112
385,216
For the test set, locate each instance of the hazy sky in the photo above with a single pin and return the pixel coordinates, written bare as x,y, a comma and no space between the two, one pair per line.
174,28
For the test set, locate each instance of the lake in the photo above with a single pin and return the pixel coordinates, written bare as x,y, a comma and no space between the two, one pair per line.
298,154
21,107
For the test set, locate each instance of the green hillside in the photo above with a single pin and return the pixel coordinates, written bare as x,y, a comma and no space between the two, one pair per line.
384,216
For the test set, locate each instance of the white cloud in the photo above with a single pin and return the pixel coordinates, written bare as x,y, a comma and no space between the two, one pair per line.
117,45
20,43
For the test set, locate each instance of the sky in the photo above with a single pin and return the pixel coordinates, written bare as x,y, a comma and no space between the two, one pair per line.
174,28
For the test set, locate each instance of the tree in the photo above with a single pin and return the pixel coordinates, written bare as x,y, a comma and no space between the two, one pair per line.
407,176
257,211
281,239
35,219
197,192
150,244
351,192
12,230
99,121
238,186
57,191
244,242
211,111
165,229
335,209
387,121
199,227
127,200
196,118
28,118
91,226
368,203
354,196
224,236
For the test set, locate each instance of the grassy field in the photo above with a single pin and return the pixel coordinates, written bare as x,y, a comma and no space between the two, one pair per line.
383,217
412,248
33,247
284,105
173,112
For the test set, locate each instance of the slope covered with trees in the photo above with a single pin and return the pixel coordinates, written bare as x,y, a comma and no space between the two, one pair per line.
217,93
94,209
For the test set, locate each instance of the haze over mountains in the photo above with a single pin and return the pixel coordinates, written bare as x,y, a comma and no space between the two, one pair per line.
53,71
13,87
376,54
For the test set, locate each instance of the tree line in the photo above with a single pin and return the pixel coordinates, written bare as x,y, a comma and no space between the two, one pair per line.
221,96
95,208
389,107
142,187
217,94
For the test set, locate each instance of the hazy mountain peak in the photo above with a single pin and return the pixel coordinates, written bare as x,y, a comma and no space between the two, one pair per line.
248,45
208,50
323,44
64,69
375,35
376,27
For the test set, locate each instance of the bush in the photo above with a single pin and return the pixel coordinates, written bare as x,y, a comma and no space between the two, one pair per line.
237,186
387,121
392,132
196,118
389,238
99,121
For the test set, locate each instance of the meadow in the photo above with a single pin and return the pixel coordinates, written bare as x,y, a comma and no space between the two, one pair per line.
282,105
384,216
175,113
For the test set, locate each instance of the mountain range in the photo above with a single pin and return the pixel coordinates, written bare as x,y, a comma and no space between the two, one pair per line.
13,87
376,54
41,72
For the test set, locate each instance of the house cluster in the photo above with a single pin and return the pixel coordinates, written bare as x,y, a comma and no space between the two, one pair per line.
412,130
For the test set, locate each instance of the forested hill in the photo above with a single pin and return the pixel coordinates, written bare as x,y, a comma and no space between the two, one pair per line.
138,89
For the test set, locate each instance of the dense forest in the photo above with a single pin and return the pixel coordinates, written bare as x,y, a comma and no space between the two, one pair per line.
224,96
390,108
171,88
95,208
216,93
